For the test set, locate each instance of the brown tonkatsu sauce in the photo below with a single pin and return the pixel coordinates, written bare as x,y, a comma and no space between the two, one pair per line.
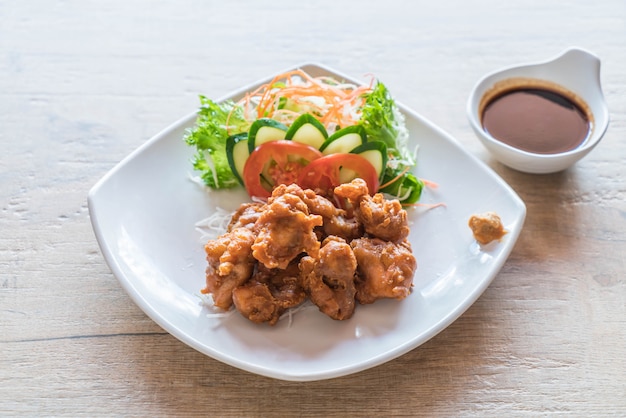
536,120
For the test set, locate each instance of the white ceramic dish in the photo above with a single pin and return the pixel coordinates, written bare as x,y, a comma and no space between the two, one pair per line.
576,70
144,210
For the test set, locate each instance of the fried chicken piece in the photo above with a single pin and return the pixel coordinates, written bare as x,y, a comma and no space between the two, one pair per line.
486,227
329,279
336,221
269,293
343,226
230,264
382,218
286,285
255,302
285,230
246,215
353,191
385,269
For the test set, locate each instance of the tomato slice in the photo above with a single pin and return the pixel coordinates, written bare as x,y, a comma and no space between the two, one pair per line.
276,162
330,171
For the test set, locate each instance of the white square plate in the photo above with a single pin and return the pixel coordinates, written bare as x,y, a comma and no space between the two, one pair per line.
144,210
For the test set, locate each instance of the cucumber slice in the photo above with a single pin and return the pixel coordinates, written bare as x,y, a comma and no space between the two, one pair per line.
376,153
346,175
307,130
265,130
344,140
237,153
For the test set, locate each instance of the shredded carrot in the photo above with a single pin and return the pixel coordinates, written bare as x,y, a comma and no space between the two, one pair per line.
429,183
425,205
299,87
286,116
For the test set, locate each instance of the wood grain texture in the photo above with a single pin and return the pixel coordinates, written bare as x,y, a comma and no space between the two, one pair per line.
83,84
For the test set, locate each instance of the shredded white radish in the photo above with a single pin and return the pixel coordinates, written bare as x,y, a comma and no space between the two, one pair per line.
197,180
214,225
213,312
289,313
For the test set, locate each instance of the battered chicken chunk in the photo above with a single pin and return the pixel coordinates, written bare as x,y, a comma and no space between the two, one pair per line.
353,191
285,230
329,279
380,217
230,264
246,215
486,227
254,301
385,269
343,226
335,221
269,293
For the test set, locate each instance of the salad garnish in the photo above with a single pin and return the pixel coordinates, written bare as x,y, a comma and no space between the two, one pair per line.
342,129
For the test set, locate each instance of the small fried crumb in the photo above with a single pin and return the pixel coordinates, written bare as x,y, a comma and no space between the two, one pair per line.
486,227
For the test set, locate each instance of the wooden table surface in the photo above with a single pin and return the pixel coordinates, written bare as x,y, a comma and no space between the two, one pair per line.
83,84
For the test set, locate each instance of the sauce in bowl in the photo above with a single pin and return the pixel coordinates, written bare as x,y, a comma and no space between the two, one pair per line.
536,116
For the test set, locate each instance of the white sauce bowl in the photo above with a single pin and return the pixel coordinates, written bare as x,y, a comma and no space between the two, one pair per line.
575,70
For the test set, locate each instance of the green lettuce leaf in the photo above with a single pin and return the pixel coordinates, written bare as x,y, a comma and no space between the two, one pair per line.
209,136
383,121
